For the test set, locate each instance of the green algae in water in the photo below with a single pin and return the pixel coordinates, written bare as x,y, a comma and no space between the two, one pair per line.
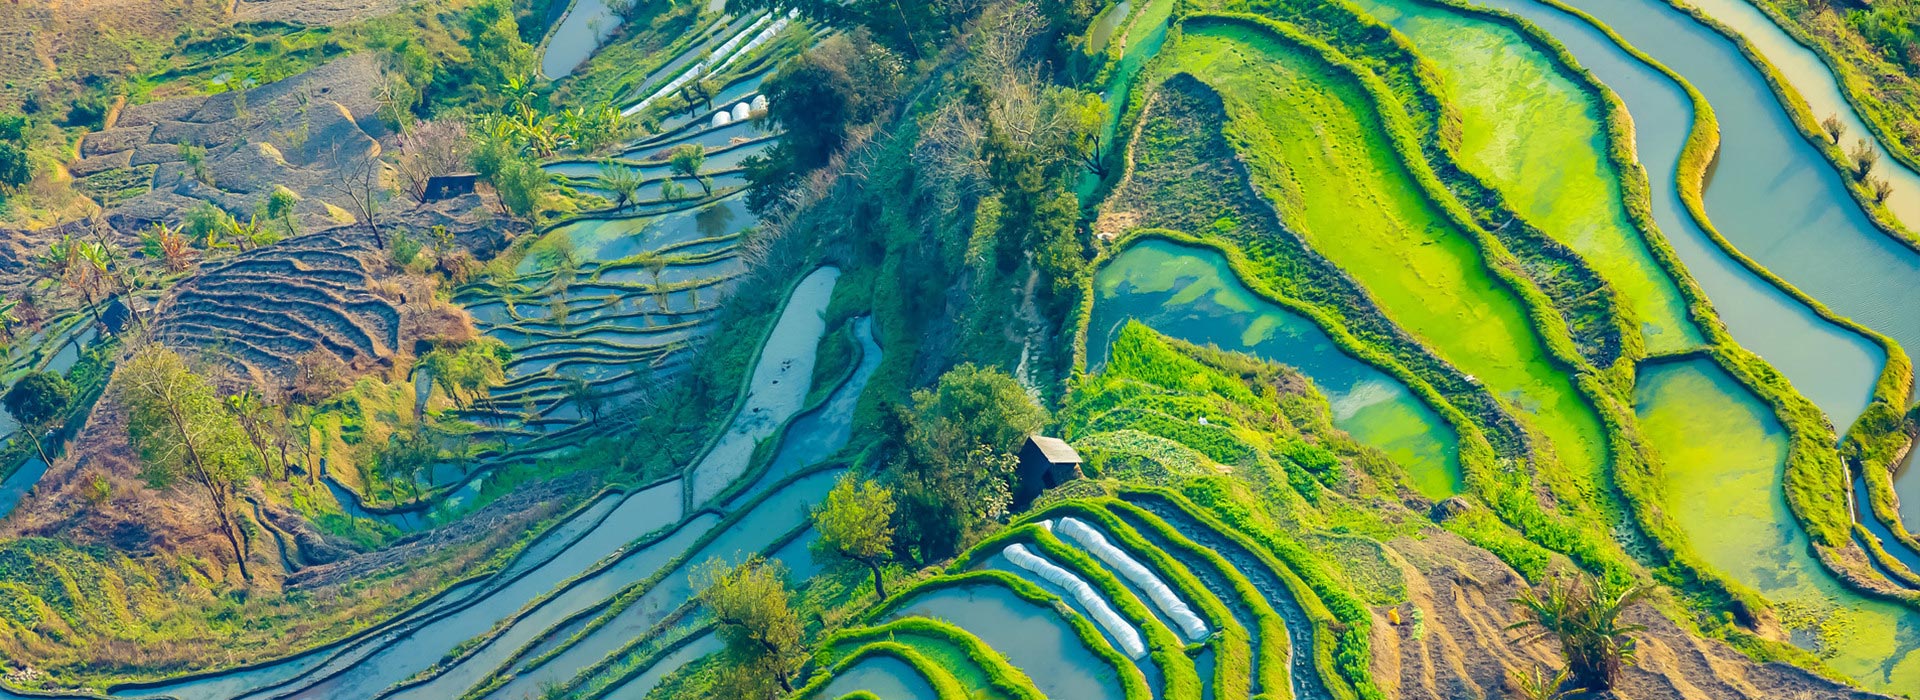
1316,147
1539,138
1192,294
1724,456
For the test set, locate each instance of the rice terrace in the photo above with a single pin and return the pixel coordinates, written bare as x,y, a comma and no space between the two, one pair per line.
959,349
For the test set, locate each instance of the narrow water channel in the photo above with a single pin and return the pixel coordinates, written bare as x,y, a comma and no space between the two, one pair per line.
1771,193
1192,294
1833,367
1810,77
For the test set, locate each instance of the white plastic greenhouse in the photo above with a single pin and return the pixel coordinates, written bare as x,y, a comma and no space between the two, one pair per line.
1088,598
1136,573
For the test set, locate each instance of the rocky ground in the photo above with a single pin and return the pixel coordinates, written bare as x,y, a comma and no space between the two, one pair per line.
1453,643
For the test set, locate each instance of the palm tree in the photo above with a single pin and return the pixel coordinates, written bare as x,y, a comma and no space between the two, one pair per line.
622,181
66,262
171,244
101,257
1585,618
534,129
1536,685
687,160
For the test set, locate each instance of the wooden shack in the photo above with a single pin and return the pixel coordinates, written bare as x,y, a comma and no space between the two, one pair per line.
1044,463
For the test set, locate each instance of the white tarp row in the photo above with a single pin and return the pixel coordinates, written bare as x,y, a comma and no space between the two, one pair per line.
699,68
722,56
1090,599
1138,574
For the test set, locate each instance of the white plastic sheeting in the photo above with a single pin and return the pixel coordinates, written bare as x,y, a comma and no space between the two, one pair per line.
1090,599
722,56
1136,573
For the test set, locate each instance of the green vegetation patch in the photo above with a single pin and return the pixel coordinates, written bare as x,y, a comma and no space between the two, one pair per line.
1543,141
1317,147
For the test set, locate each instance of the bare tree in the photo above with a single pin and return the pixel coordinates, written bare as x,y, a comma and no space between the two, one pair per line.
429,150
362,182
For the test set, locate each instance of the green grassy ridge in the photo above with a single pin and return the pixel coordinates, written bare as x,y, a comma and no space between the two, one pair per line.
1636,192
1810,129
1601,327
1815,473
1305,280
1478,457
945,686
1615,168
987,674
1272,668
1343,651
598,681
1559,350
610,73
1591,548
1883,560
636,163
1760,377
1133,683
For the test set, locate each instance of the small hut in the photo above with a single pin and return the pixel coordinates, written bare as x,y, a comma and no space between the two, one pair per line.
441,187
1044,463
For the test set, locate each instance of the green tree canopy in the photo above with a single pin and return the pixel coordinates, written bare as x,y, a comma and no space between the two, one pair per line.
962,437
36,400
856,524
754,611
184,434
687,160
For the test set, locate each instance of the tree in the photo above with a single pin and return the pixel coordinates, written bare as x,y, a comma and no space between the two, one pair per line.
1058,250
68,263
687,161
1585,618
856,524
583,396
360,178
168,244
256,420
104,256
522,187
406,456
195,158
279,207
622,181
1834,128
468,371
36,401
429,150
961,439
1864,158
753,609
184,434
15,169
1882,189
